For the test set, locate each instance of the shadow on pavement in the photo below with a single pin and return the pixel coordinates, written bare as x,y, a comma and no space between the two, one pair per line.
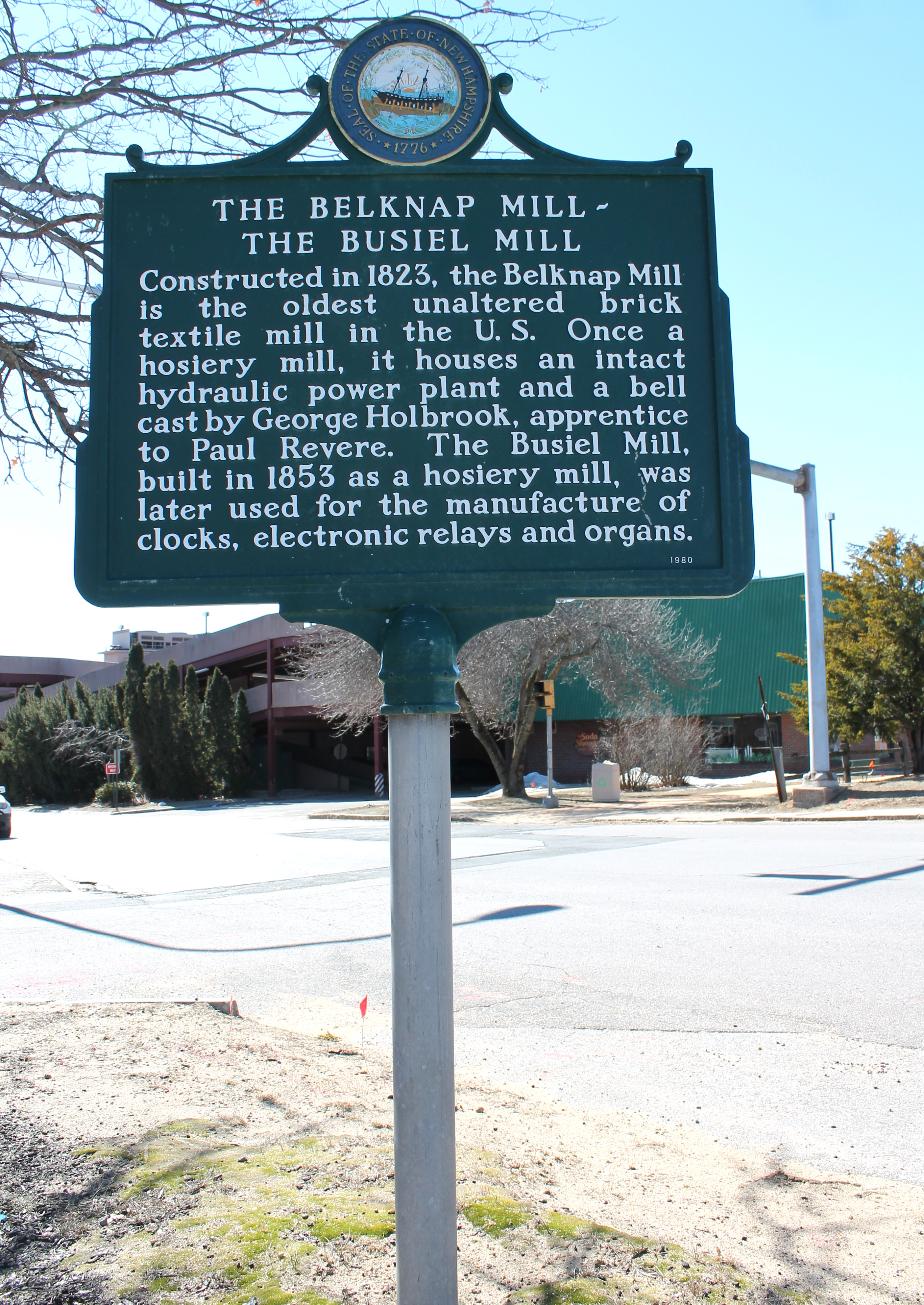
507,913
842,881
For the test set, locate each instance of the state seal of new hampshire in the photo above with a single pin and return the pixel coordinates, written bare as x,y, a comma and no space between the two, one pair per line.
410,92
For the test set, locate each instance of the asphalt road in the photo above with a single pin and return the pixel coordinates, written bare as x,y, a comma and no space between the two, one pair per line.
762,983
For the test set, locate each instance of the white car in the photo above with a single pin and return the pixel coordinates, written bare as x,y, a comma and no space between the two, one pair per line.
6,815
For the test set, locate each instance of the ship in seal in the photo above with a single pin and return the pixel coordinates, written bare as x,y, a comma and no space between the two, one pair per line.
409,95
403,101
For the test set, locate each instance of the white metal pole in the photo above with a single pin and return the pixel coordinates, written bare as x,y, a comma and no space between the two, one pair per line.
820,757
803,482
422,1015
819,751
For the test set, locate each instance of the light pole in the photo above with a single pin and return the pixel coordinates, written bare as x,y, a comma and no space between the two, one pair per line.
829,517
819,783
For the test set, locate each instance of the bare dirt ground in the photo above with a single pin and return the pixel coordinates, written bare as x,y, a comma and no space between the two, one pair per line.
175,1154
868,797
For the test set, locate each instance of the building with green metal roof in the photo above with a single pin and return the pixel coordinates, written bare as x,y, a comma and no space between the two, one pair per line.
748,631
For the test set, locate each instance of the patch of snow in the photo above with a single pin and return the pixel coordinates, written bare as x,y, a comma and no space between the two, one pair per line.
733,781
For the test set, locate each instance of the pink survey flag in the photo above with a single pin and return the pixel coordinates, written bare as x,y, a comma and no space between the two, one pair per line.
363,1006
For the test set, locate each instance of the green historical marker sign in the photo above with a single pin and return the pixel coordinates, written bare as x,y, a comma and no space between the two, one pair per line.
349,387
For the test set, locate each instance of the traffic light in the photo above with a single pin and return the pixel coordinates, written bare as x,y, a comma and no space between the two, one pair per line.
544,694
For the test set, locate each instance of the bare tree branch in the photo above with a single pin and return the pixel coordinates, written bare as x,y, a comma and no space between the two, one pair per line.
87,745
634,652
192,81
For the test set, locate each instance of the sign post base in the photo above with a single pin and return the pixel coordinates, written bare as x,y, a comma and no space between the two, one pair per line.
816,790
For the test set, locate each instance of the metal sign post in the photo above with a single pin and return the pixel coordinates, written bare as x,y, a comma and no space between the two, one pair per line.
776,749
550,800
544,693
413,394
419,676
112,773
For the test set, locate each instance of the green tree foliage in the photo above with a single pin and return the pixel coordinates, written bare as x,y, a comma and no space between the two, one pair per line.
185,780
32,767
226,738
53,747
845,723
241,763
184,747
874,645
191,740
84,711
136,716
157,774
218,731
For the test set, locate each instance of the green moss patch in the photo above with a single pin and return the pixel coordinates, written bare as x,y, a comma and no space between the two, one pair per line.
713,1281
182,1128
173,1157
249,1220
350,1214
572,1228
573,1291
237,1224
633,1270
243,1221
629,1291
496,1214
242,1261
103,1152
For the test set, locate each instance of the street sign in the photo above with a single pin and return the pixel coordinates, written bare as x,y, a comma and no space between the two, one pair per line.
111,768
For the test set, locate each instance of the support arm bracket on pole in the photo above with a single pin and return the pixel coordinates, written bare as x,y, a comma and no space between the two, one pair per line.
419,670
798,478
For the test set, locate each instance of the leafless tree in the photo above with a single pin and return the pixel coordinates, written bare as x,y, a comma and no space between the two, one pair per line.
632,651
652,745
189,82
340,672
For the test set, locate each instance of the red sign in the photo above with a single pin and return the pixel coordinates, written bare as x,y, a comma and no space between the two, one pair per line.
111,768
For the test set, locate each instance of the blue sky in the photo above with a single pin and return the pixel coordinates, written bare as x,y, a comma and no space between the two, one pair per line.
809,113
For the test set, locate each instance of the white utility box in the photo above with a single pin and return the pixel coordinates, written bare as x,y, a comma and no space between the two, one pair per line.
604,781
